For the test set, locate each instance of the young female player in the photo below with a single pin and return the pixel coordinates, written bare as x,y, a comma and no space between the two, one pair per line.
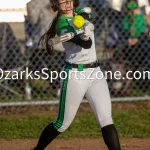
80,56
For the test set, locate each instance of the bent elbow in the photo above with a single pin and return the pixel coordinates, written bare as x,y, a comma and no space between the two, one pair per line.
87,44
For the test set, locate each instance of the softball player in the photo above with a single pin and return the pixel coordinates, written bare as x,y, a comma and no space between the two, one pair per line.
80,56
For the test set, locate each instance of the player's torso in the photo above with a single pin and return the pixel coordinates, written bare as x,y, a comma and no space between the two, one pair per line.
75,53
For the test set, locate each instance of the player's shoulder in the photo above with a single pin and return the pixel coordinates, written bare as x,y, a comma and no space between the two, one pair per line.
63,25
62,21
78,10
84,12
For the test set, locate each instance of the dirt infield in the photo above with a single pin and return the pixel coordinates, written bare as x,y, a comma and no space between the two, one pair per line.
75,144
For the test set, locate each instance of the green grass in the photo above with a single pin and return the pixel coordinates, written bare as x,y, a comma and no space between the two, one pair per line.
133,123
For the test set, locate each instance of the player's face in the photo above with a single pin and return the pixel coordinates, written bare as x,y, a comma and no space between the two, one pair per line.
66,5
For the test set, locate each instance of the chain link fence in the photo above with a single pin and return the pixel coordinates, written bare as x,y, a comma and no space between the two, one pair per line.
122,44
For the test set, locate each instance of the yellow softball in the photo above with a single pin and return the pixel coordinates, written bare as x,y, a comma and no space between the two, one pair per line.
78,21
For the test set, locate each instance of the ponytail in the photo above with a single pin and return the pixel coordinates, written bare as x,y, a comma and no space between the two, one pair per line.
51,32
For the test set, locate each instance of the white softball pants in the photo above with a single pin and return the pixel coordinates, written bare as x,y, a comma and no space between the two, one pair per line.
91,84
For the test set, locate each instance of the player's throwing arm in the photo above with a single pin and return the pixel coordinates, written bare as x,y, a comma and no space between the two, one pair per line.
80,25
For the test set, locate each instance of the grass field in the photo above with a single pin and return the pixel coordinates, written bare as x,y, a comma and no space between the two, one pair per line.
131,121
